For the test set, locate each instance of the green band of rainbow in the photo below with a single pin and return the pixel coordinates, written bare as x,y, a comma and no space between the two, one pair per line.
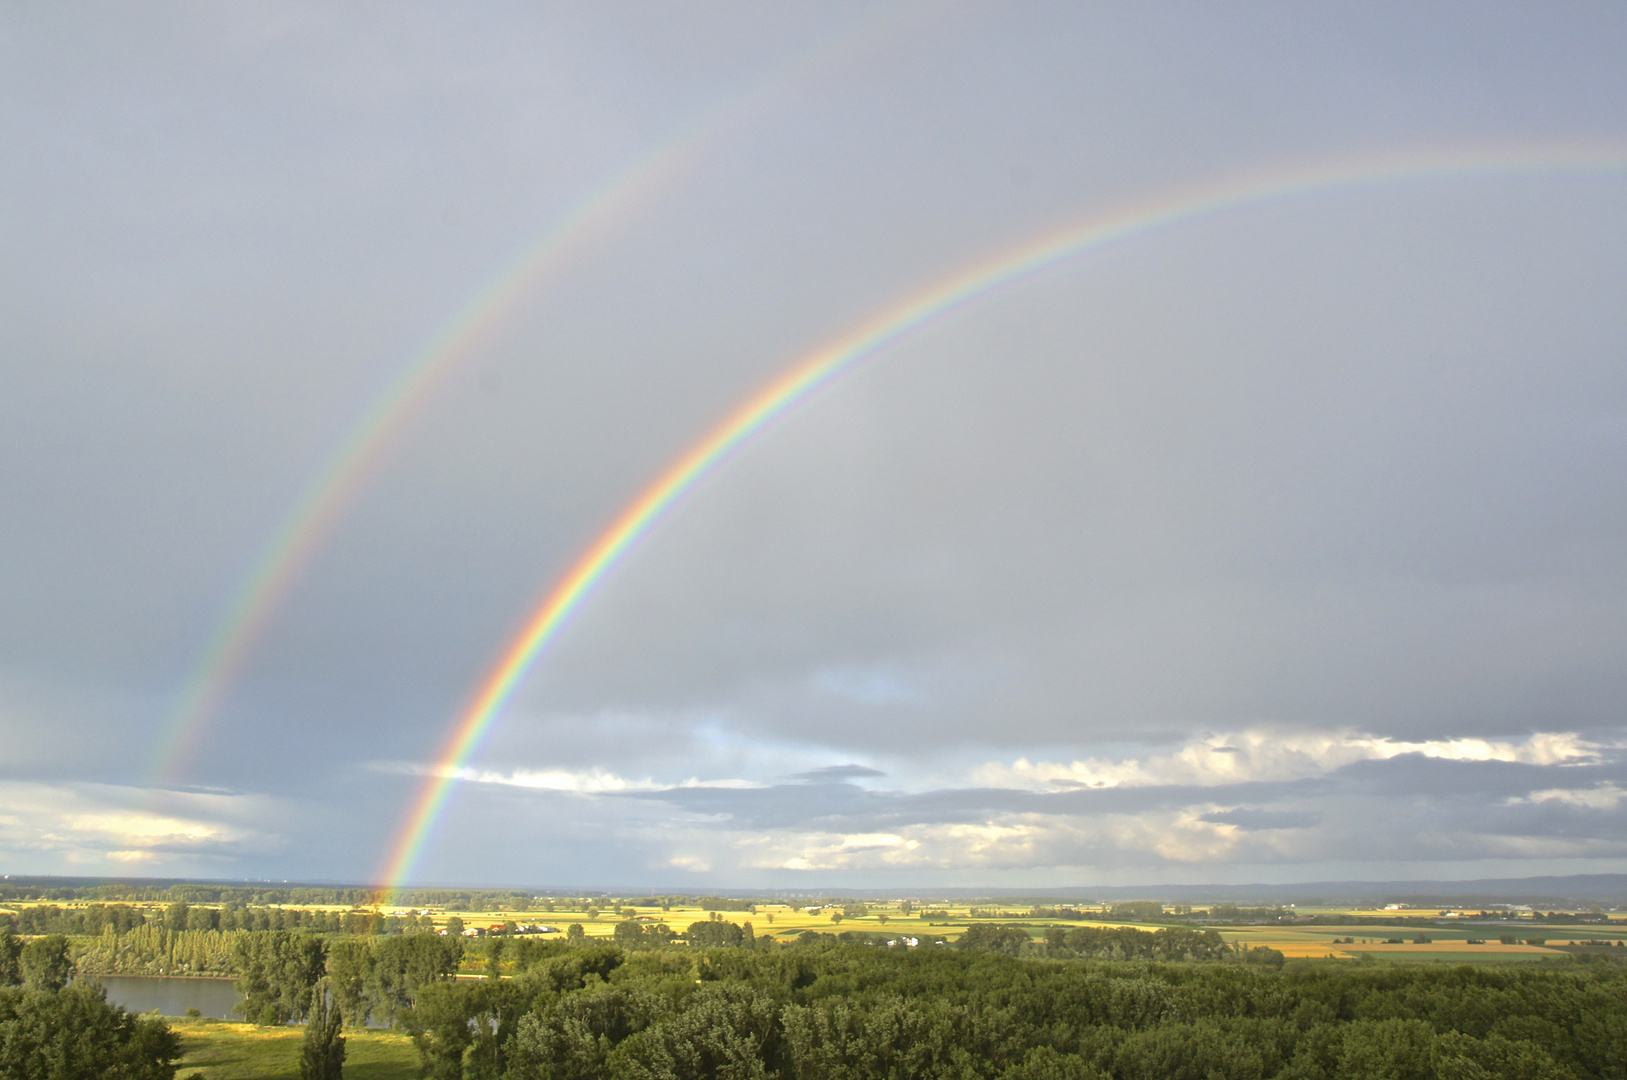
826,363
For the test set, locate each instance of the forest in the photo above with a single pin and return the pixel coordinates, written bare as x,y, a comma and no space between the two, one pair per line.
1086,1004
1001,1001
54,1029
828,1009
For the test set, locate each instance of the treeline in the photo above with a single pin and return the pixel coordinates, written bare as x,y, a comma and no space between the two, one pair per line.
121,918
267,895
133,893
46,919
463,899
1112,943
845,1013
283,975
721,903
154,950
185,917
1229,913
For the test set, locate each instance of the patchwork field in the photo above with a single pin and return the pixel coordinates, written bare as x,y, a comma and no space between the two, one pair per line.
1448,942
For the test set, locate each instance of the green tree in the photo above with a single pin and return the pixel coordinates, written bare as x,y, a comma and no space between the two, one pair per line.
575,934
1001,939
1263,954
46,964
720,934
11,951
10,958
322,1056
454,926
462,1029
74,1033
350,968
723,1030
403,966
278,971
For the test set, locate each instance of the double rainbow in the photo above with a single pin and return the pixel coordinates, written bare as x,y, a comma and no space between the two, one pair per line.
819,368
283,557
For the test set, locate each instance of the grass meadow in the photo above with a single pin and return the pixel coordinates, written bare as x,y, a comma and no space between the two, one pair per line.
214,1050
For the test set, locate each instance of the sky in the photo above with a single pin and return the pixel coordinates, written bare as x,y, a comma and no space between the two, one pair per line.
1285,541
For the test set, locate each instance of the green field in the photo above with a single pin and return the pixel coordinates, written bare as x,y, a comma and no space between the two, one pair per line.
214,1050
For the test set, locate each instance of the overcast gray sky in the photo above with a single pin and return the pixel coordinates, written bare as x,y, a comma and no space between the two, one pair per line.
1283,543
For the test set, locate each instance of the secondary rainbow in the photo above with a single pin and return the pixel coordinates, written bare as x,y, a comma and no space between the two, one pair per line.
819,368
283,557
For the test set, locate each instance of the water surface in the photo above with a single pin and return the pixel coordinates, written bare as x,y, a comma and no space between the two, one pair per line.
170,995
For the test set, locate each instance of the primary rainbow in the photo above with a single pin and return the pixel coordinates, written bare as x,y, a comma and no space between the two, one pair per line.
824,364
281,559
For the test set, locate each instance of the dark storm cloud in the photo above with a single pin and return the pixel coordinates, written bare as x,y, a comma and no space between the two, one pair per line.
1247,817
1418,776
834,773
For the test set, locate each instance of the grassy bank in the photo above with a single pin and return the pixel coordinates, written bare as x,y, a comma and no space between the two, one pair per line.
216,1050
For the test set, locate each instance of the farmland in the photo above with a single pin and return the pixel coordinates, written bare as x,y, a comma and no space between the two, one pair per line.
1408,937
1341,934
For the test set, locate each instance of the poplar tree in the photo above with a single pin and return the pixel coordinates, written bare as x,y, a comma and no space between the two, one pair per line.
323,1055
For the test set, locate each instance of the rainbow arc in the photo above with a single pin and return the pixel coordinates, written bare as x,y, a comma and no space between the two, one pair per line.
818,369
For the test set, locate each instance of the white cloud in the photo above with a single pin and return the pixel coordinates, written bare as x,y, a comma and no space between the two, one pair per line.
82,824
1265,754
592,781
1602,797
1003,842
1032,816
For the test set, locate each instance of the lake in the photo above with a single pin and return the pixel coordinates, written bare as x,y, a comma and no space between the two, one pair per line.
171,996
